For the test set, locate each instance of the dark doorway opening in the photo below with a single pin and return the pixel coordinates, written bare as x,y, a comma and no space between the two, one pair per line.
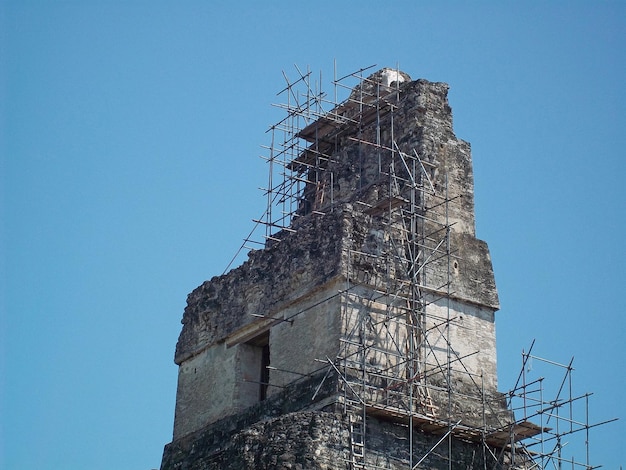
265,372
261,345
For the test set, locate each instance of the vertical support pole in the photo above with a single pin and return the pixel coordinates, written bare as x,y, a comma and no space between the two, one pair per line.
268,212
541,420
587,430
524,359
571,402
448,347
484,430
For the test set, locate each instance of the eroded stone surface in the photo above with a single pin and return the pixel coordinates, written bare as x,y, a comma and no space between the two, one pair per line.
268,280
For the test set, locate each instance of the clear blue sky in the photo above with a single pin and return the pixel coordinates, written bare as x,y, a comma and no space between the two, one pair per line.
130,134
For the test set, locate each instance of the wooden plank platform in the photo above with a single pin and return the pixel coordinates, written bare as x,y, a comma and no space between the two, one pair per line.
501,438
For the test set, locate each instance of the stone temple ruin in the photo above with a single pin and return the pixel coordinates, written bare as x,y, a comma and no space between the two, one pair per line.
360,333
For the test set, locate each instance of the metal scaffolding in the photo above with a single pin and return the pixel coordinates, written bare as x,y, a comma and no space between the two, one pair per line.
396,360
561,414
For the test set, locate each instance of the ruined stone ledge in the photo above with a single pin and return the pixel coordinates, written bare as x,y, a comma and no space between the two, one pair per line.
301,440
319,440
198,448
269,279
471,278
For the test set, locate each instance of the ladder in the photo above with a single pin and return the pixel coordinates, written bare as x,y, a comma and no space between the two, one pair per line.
357,441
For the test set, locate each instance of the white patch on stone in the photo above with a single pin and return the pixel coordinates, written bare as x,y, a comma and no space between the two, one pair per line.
389,76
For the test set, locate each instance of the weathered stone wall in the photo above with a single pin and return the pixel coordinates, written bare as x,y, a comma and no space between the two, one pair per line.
471,334
205,447
316,440
267,282
307,440
312,335
377,343
295,281
417,118
424,123
471,272
206,389
369,257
